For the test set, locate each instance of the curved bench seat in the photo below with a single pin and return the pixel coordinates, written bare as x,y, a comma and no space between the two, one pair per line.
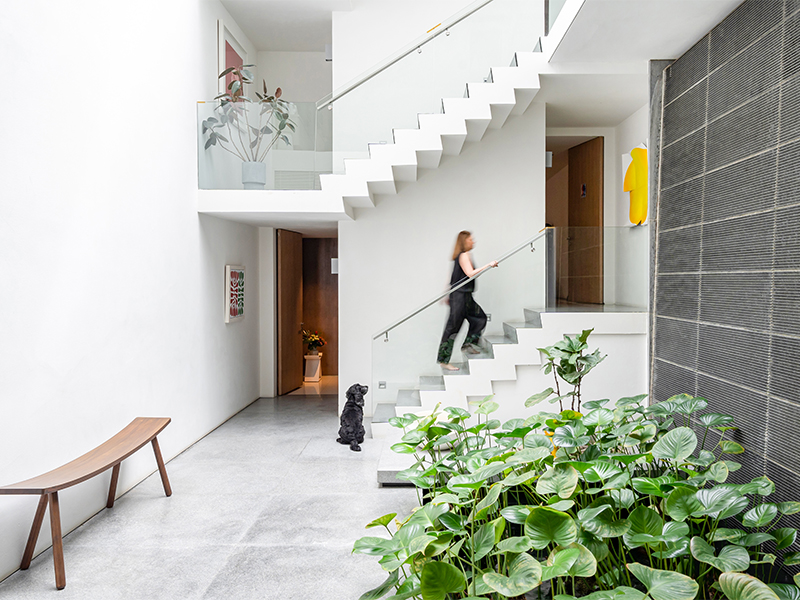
107,455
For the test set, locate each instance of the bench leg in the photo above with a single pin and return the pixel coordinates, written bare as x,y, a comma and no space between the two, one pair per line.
112,490
162,469
27,556
58,548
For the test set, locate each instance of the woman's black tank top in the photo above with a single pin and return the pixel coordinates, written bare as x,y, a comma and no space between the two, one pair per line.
459,276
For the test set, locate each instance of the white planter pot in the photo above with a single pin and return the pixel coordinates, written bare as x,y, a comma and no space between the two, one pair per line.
254,175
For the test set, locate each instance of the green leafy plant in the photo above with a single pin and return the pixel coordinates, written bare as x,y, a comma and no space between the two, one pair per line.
615,502
247,128
568,361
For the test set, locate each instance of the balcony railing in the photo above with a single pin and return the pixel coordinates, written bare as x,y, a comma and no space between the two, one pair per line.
367,109
292,158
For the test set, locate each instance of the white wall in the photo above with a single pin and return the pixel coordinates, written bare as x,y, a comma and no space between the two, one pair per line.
302,76
633,243
398,255
417,83
112,303
632,132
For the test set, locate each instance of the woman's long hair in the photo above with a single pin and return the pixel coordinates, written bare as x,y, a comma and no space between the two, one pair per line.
461,243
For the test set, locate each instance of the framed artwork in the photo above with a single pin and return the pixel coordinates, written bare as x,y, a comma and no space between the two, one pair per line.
230,53
234,293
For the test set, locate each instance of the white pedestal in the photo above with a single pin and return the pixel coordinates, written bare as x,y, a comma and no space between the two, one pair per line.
313,372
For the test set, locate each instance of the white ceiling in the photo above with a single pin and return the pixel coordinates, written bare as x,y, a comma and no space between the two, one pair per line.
287,25
591,100
633,30
559,143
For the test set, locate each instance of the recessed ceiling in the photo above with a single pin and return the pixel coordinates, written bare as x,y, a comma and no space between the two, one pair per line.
286,25
591,100
635,30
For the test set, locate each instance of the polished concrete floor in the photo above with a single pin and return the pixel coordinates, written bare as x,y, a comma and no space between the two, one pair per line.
266,507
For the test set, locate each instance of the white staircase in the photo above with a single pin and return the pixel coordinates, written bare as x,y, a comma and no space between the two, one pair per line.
507,91
511,370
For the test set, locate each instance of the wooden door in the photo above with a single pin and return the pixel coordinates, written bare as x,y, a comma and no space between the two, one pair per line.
290,310
585,232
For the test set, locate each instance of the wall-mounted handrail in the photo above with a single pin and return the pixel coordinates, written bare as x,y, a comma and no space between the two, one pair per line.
432,33
460,284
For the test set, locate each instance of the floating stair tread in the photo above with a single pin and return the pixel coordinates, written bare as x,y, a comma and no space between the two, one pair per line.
431,383
498,339
382,413
408,398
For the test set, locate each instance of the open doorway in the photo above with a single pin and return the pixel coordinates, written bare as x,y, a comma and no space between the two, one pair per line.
307,299
574,207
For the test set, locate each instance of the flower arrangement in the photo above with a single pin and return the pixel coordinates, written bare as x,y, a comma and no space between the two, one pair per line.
314,340
624,501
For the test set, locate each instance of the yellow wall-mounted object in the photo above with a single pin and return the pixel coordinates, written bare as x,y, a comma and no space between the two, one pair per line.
636,183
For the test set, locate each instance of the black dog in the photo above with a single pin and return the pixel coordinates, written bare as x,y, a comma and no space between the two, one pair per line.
352,427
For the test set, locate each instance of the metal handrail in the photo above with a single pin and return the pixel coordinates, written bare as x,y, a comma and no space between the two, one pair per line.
510,253
432,33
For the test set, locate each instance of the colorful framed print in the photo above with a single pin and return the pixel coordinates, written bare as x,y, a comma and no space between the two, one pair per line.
234,293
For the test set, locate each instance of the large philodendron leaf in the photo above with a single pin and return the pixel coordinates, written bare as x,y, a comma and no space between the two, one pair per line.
731,557
760,516
651,486
718,500
585,565
664,585
620,593
677,444
785,591
599,417
646,524
545,526
601,471
784,537
515,545
439,579
376,546
382,589
484,539
599,520
562,479
524,574
682,503
740,586
428,515
571,435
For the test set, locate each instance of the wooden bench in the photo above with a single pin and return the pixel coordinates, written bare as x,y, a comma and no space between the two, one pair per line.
106,456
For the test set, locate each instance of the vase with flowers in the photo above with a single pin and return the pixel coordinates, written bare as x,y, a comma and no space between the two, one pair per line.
314,341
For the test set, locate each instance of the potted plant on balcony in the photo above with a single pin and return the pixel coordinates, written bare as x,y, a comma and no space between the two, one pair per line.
246,132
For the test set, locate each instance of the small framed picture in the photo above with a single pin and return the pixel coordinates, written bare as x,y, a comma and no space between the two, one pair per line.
234,293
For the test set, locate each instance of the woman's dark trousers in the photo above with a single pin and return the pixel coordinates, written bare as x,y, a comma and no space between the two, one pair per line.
462,306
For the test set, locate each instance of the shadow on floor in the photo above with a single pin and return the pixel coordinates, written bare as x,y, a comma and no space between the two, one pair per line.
267,506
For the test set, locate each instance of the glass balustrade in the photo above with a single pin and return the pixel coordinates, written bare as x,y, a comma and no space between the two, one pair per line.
565,269
364,110
601,265
241,146
404,354
551,11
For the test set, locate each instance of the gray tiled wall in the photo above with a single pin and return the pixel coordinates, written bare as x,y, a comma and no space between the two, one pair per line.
726,295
